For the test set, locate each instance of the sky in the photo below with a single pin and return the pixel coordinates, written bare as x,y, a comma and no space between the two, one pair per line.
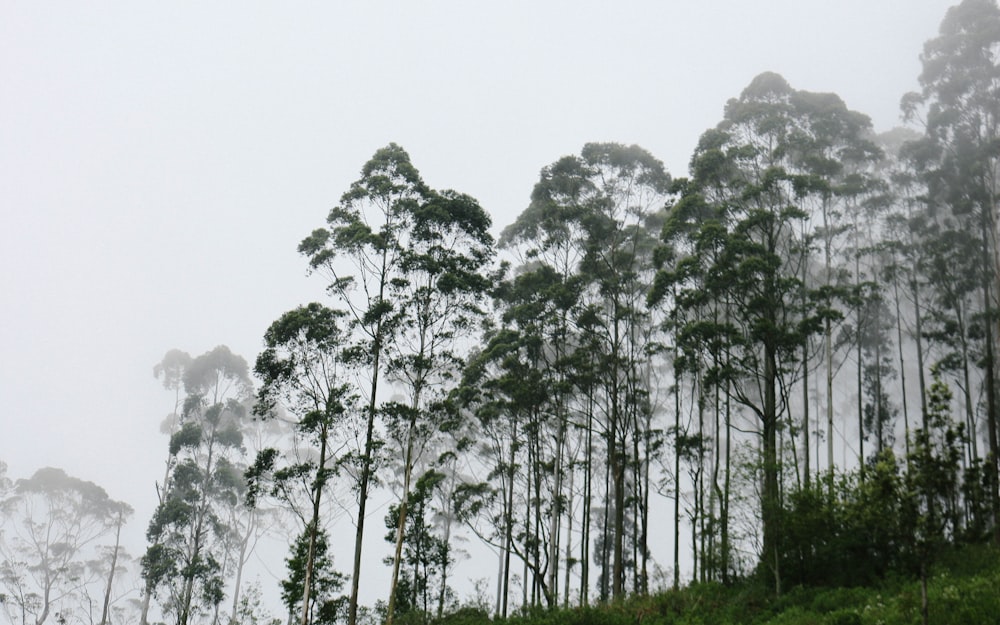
160,162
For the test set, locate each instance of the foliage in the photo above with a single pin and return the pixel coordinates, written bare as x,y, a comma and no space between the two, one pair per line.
192,530
302,370
52,521
961,592
409,264
426,556
251,610
741,310
795,248
325,606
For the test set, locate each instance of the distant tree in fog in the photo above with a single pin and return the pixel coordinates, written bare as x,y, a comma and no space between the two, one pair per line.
189,535
51,521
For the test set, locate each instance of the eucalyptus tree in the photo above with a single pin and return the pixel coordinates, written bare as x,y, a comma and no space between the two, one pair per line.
170,371
830,150
187,535
903,245
312,584
631,186
410,266
450,465
444,276
954,326
55,520
546,239
112,558
875,340
303,375
699,358
736,232
959,103
426,556
360,252
587,224
502,387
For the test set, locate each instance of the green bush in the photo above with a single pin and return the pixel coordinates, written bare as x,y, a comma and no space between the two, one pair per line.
466,615
954,601
843,616
837,599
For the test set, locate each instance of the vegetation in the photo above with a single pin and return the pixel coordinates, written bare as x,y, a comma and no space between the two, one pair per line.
633,343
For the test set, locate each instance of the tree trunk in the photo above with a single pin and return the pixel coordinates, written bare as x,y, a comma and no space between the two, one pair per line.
509,524
805,414
902,365
860,406
307,578
106,611
555,515
569,533
828,334
366,470
993,464
401,521
617,462
677,477
828,346
770,508
238,583
725,494
588,491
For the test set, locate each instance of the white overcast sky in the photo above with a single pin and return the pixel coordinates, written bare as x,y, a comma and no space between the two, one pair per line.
160,162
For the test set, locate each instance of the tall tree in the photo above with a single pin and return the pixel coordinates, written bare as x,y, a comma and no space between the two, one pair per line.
170,371
828,148
738,224
960,104
542,300
442,280
187,534
425,557
506,388
368,230
585,234
303,373
114,554
419,259
311,567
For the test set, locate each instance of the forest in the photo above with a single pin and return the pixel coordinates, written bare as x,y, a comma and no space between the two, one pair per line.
782,366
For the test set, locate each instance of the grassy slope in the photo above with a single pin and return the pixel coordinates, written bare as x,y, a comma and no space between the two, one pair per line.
964,589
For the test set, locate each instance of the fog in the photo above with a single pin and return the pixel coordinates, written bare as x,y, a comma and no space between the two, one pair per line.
159,163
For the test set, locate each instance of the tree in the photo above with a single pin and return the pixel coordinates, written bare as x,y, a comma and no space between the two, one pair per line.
500,388
170,370
369,230
302,372
960,100
113,554
418,258
586,249
933,481
438,291
56,517
313,580
425,556
735,233
188,534
630,186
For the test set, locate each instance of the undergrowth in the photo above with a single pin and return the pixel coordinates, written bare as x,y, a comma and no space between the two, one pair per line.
963,589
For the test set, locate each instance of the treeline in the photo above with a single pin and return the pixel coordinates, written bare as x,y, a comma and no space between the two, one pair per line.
632,344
